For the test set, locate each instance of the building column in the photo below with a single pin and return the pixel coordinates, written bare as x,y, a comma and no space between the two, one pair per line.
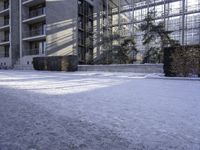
183,22
20,28
119,11
132,19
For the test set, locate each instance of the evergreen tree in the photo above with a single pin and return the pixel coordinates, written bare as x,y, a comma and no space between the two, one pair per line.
154,32
116,49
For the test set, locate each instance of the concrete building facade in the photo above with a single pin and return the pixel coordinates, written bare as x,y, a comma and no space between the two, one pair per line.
57,28
48,28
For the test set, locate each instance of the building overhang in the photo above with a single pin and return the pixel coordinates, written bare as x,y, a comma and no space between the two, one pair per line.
4,43
35,19
30,3
4,27
35,38
4,12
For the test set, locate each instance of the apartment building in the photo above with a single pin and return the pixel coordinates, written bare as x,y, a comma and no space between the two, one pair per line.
9,32
57,28
33,28
48,28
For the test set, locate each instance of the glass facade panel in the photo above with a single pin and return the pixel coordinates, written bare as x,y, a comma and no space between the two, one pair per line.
183,19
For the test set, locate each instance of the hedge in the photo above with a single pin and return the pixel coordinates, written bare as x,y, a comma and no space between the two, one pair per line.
182,61
56,63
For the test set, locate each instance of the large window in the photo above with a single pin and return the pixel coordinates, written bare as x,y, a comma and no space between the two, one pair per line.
85,30
183,22
36,48
37,29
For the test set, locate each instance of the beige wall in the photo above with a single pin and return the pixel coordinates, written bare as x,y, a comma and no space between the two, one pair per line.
61,29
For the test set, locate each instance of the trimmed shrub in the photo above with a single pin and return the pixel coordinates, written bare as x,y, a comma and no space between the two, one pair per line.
40,63
182,61
56,63
168,62
199,65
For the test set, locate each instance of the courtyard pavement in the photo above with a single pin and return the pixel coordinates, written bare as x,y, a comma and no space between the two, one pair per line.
97,111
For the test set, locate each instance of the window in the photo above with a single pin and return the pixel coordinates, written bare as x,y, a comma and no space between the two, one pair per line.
6,36
6,20
6,4
80,22
37,10
81,54
6,53
85,25
37,47
37,29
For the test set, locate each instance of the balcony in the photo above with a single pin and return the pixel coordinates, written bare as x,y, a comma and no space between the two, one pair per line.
4,11
35,16
37,51
29,3
4,42
35,35
4,25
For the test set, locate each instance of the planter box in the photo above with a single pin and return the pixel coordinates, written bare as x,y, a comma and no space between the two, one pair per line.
134,68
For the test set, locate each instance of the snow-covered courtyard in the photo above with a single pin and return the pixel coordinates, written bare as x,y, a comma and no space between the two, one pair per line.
97,111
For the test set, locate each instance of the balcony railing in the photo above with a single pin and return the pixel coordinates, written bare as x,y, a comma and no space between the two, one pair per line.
4,40
2,9
6,22
32,1
37,32
36,51
26,0
37,12
5,6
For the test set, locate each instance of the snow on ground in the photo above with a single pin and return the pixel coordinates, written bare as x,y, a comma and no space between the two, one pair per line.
97,111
